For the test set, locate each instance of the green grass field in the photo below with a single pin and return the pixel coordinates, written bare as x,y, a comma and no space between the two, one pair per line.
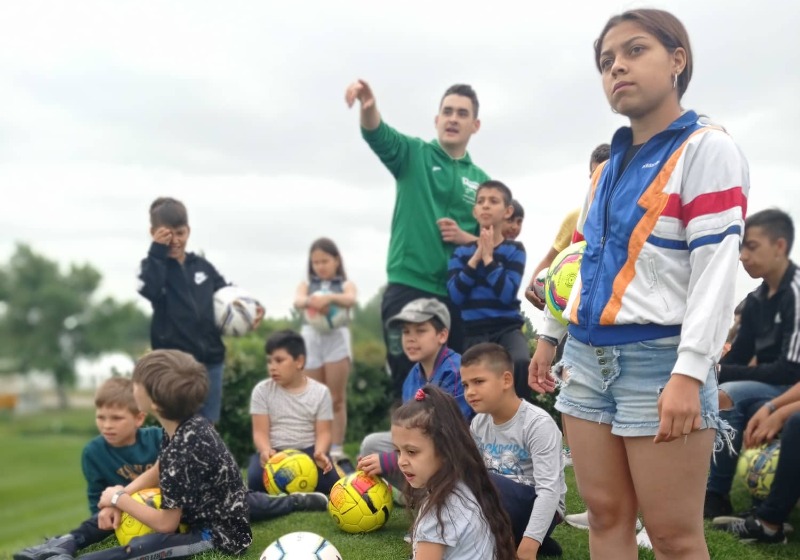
42,493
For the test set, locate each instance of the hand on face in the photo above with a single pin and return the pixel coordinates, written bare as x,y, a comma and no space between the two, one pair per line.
162,235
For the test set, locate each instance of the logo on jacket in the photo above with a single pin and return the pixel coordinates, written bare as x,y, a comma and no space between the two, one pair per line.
200,277
652,164
436,168
469,183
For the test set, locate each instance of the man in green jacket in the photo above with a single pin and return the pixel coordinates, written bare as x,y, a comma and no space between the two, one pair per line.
435,193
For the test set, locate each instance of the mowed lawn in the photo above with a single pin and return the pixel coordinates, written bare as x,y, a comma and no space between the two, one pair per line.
42,493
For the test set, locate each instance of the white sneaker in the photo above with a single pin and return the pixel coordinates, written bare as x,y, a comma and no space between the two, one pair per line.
566,456
578,520
643,540
581,521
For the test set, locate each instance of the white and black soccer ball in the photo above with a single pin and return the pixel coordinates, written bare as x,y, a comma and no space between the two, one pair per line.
301,545
235,310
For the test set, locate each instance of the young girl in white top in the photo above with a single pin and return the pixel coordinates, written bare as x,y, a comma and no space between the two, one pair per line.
326,298
460,516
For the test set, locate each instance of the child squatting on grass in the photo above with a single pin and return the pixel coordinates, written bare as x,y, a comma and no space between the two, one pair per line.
460,516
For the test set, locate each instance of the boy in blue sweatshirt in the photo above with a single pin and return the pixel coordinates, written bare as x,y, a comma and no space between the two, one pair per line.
484,279
425,325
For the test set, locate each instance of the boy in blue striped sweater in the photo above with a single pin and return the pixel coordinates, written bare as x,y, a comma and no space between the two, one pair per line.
484,279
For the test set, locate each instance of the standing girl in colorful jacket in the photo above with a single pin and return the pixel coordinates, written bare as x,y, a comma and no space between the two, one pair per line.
650,310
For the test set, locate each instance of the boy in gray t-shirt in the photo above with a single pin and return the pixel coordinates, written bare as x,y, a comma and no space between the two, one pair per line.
290,411
521,446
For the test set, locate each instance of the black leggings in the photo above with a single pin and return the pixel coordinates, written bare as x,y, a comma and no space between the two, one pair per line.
785,489
157,545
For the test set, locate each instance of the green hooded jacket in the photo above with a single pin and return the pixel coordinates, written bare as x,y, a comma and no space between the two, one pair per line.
430,185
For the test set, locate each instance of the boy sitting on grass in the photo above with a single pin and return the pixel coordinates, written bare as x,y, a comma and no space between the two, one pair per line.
425,325
289,410
201,485
521,446
122,451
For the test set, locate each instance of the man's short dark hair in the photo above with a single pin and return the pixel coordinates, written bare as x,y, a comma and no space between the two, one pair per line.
600,154
287,340
499,186
465,91
775,223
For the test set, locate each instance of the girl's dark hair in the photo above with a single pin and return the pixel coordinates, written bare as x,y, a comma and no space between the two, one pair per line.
326,246
665,27
440,419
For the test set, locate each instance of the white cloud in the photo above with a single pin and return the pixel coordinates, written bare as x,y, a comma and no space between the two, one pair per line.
237,108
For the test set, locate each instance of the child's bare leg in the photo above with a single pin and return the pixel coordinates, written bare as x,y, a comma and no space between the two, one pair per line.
336,374
604,482
670,481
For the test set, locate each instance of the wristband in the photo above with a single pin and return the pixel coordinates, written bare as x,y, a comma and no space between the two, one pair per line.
771,407
115,497
552,340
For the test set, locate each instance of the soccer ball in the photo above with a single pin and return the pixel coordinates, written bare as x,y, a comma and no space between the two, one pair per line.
290,471
538,283
129,526
360,503
301,546
757,468
235,310
327,319
561,277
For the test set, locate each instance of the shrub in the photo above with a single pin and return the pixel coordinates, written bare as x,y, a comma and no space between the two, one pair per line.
368,393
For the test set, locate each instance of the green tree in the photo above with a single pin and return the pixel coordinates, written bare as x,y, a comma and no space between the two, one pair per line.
48,318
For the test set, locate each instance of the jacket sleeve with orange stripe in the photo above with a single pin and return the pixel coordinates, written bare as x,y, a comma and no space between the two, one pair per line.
715,183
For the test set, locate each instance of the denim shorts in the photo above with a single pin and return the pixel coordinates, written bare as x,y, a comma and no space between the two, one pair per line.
620,385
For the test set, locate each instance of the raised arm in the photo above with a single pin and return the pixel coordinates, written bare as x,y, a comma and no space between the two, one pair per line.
153,270
360,90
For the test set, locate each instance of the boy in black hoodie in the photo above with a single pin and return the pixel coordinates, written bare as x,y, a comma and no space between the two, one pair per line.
180,287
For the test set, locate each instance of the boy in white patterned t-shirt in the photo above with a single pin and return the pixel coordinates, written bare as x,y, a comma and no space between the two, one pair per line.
290,411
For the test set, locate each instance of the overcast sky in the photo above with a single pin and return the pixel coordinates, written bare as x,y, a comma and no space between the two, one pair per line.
237,108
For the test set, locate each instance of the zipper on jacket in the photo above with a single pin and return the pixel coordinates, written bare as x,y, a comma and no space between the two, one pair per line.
189,291
607,219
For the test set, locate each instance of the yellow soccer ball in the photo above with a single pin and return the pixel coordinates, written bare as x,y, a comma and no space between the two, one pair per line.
561,276
360,503
130,527
290,471
757,468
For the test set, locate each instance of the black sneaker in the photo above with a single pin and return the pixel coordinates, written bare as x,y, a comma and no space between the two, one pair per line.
716,505
344,466
750,530
51,547
309,501
550,547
